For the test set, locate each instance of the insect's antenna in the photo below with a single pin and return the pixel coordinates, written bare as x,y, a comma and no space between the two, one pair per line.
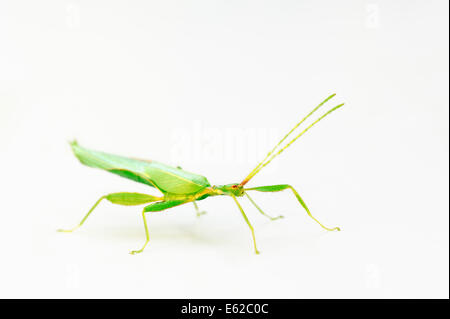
292,130
272,156
282,140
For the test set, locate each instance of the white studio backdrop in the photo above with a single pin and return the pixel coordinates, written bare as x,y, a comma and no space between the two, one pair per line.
212,86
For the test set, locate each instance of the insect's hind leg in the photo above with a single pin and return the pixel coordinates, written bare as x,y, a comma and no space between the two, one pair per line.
261,211
278,188
126,199
84,218
147,236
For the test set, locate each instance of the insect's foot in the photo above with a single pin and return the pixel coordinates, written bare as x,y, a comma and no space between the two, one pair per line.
65,230
134,252
277,217
333,229
201,213
330,229
257,252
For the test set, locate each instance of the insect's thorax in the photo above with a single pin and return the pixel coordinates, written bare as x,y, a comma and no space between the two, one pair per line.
206,192
230,189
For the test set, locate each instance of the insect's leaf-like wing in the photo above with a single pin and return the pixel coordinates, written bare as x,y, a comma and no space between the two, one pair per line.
166,178
122,166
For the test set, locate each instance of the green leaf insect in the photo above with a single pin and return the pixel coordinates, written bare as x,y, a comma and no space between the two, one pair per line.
179,187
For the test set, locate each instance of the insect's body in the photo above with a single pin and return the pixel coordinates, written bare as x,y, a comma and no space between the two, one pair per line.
166,178
174,182
177,185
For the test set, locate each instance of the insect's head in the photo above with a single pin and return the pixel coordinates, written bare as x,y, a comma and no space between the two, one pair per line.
235,189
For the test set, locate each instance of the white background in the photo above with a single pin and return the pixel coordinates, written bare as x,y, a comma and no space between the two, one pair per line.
170,81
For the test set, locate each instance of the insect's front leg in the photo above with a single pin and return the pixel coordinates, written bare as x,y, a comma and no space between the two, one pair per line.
248,223
278,188
261,211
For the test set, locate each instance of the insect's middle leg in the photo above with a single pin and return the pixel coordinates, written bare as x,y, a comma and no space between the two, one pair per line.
197,210
156,207
248,223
